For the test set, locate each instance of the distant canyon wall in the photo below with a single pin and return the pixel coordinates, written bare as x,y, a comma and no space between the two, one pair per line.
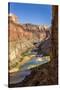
22,36
27,31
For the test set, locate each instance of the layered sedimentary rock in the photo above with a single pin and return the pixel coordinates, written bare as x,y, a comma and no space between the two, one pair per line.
22,36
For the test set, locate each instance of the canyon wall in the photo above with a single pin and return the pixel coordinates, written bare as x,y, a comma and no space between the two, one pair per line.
54,34
22,36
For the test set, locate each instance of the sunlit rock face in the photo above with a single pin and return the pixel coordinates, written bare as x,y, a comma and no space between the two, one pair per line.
22,37
15,29
13,17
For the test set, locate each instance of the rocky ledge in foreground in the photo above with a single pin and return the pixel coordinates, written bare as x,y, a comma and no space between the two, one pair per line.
46,74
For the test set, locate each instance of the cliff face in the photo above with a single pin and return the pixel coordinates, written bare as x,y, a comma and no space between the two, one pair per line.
55,32
22,36
27,31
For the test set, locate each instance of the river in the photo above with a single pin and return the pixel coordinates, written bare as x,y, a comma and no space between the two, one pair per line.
26,69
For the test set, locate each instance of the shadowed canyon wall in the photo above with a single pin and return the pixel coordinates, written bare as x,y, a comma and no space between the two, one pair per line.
55,32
